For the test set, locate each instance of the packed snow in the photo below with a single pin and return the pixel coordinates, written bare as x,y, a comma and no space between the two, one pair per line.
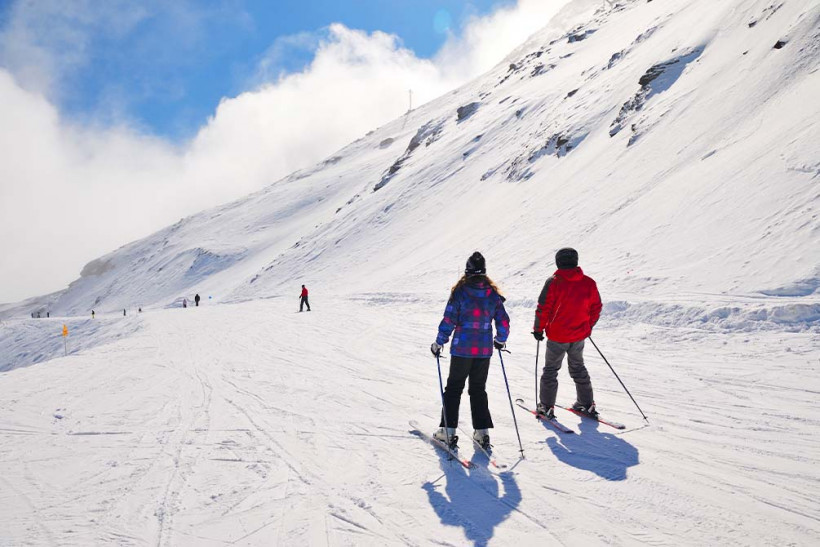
672,143
256,425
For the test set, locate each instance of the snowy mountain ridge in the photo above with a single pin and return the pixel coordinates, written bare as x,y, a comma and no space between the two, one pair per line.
671,142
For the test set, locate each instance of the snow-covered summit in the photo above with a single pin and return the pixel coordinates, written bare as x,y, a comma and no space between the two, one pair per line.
673,143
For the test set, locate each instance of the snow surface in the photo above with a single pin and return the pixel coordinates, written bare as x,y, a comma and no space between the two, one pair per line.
254,424
670,142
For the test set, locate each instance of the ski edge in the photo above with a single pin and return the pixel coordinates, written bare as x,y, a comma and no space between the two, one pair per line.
616,425
554,423
493,461
467,464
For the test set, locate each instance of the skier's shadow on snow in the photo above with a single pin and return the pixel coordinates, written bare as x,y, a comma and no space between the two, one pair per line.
603,453
473,499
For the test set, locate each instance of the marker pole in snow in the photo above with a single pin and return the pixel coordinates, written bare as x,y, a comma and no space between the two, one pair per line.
619,379
443,407
512,409
537,347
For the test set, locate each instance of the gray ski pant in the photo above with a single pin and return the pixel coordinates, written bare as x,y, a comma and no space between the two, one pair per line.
575,361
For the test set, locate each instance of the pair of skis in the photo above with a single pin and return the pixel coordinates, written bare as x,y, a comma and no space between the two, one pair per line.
561,427
554,423
453,453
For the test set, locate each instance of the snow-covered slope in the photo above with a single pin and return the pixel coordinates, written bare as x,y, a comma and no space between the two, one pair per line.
250,424
673,143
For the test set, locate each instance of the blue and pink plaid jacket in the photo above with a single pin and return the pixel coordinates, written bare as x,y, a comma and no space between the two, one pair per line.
470,312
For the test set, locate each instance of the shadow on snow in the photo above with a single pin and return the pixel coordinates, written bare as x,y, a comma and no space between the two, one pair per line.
472,498
603,453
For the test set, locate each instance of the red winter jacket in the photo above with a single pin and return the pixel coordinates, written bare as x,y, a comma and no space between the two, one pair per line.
568,307
304,292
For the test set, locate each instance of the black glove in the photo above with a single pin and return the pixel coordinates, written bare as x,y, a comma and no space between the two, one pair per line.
499,345
435,349
538,335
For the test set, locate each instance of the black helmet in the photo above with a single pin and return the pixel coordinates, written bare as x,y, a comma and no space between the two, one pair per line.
566,258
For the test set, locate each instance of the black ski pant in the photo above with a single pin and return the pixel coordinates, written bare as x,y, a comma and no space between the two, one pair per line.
575,361
304,302
462,368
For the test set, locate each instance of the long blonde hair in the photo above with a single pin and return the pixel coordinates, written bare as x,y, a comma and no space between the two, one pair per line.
464,278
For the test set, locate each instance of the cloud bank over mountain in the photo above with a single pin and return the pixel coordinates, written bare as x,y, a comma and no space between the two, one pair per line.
70,191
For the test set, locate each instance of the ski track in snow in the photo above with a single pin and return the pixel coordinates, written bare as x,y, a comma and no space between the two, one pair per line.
247,424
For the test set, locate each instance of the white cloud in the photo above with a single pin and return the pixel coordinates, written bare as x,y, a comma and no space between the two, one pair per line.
487,40
69,193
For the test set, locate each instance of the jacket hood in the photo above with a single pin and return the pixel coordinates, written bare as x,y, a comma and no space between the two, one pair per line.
570,274
478,288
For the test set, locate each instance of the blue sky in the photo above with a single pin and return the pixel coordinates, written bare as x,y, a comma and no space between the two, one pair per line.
166,72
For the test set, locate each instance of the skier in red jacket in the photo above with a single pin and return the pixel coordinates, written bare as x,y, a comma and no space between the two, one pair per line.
303,299
568,308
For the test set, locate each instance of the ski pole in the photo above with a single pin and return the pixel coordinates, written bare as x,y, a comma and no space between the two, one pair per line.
619,379
443,407
512,409
537,347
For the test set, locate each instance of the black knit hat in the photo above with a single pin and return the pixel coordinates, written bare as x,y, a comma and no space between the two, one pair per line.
475,265
566,258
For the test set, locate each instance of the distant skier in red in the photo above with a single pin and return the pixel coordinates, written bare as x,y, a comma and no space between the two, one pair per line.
303,299
568,308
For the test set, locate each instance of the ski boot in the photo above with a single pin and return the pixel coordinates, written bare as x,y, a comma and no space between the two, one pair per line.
447,437
545,413
589,411
482,437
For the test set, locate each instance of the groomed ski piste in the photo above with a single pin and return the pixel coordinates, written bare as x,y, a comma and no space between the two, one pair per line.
255,425
670,142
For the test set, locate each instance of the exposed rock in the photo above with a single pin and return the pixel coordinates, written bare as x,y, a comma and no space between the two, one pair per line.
617,56
96,267
558,145
427,134
466,111
657,79
577,36
541,69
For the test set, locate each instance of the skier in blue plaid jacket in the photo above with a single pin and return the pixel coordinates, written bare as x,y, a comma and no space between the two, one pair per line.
474,304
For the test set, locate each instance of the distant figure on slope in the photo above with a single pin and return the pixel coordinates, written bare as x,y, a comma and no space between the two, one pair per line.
196,300
303,299
474,303
568,308
92,314
184,302
123,312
